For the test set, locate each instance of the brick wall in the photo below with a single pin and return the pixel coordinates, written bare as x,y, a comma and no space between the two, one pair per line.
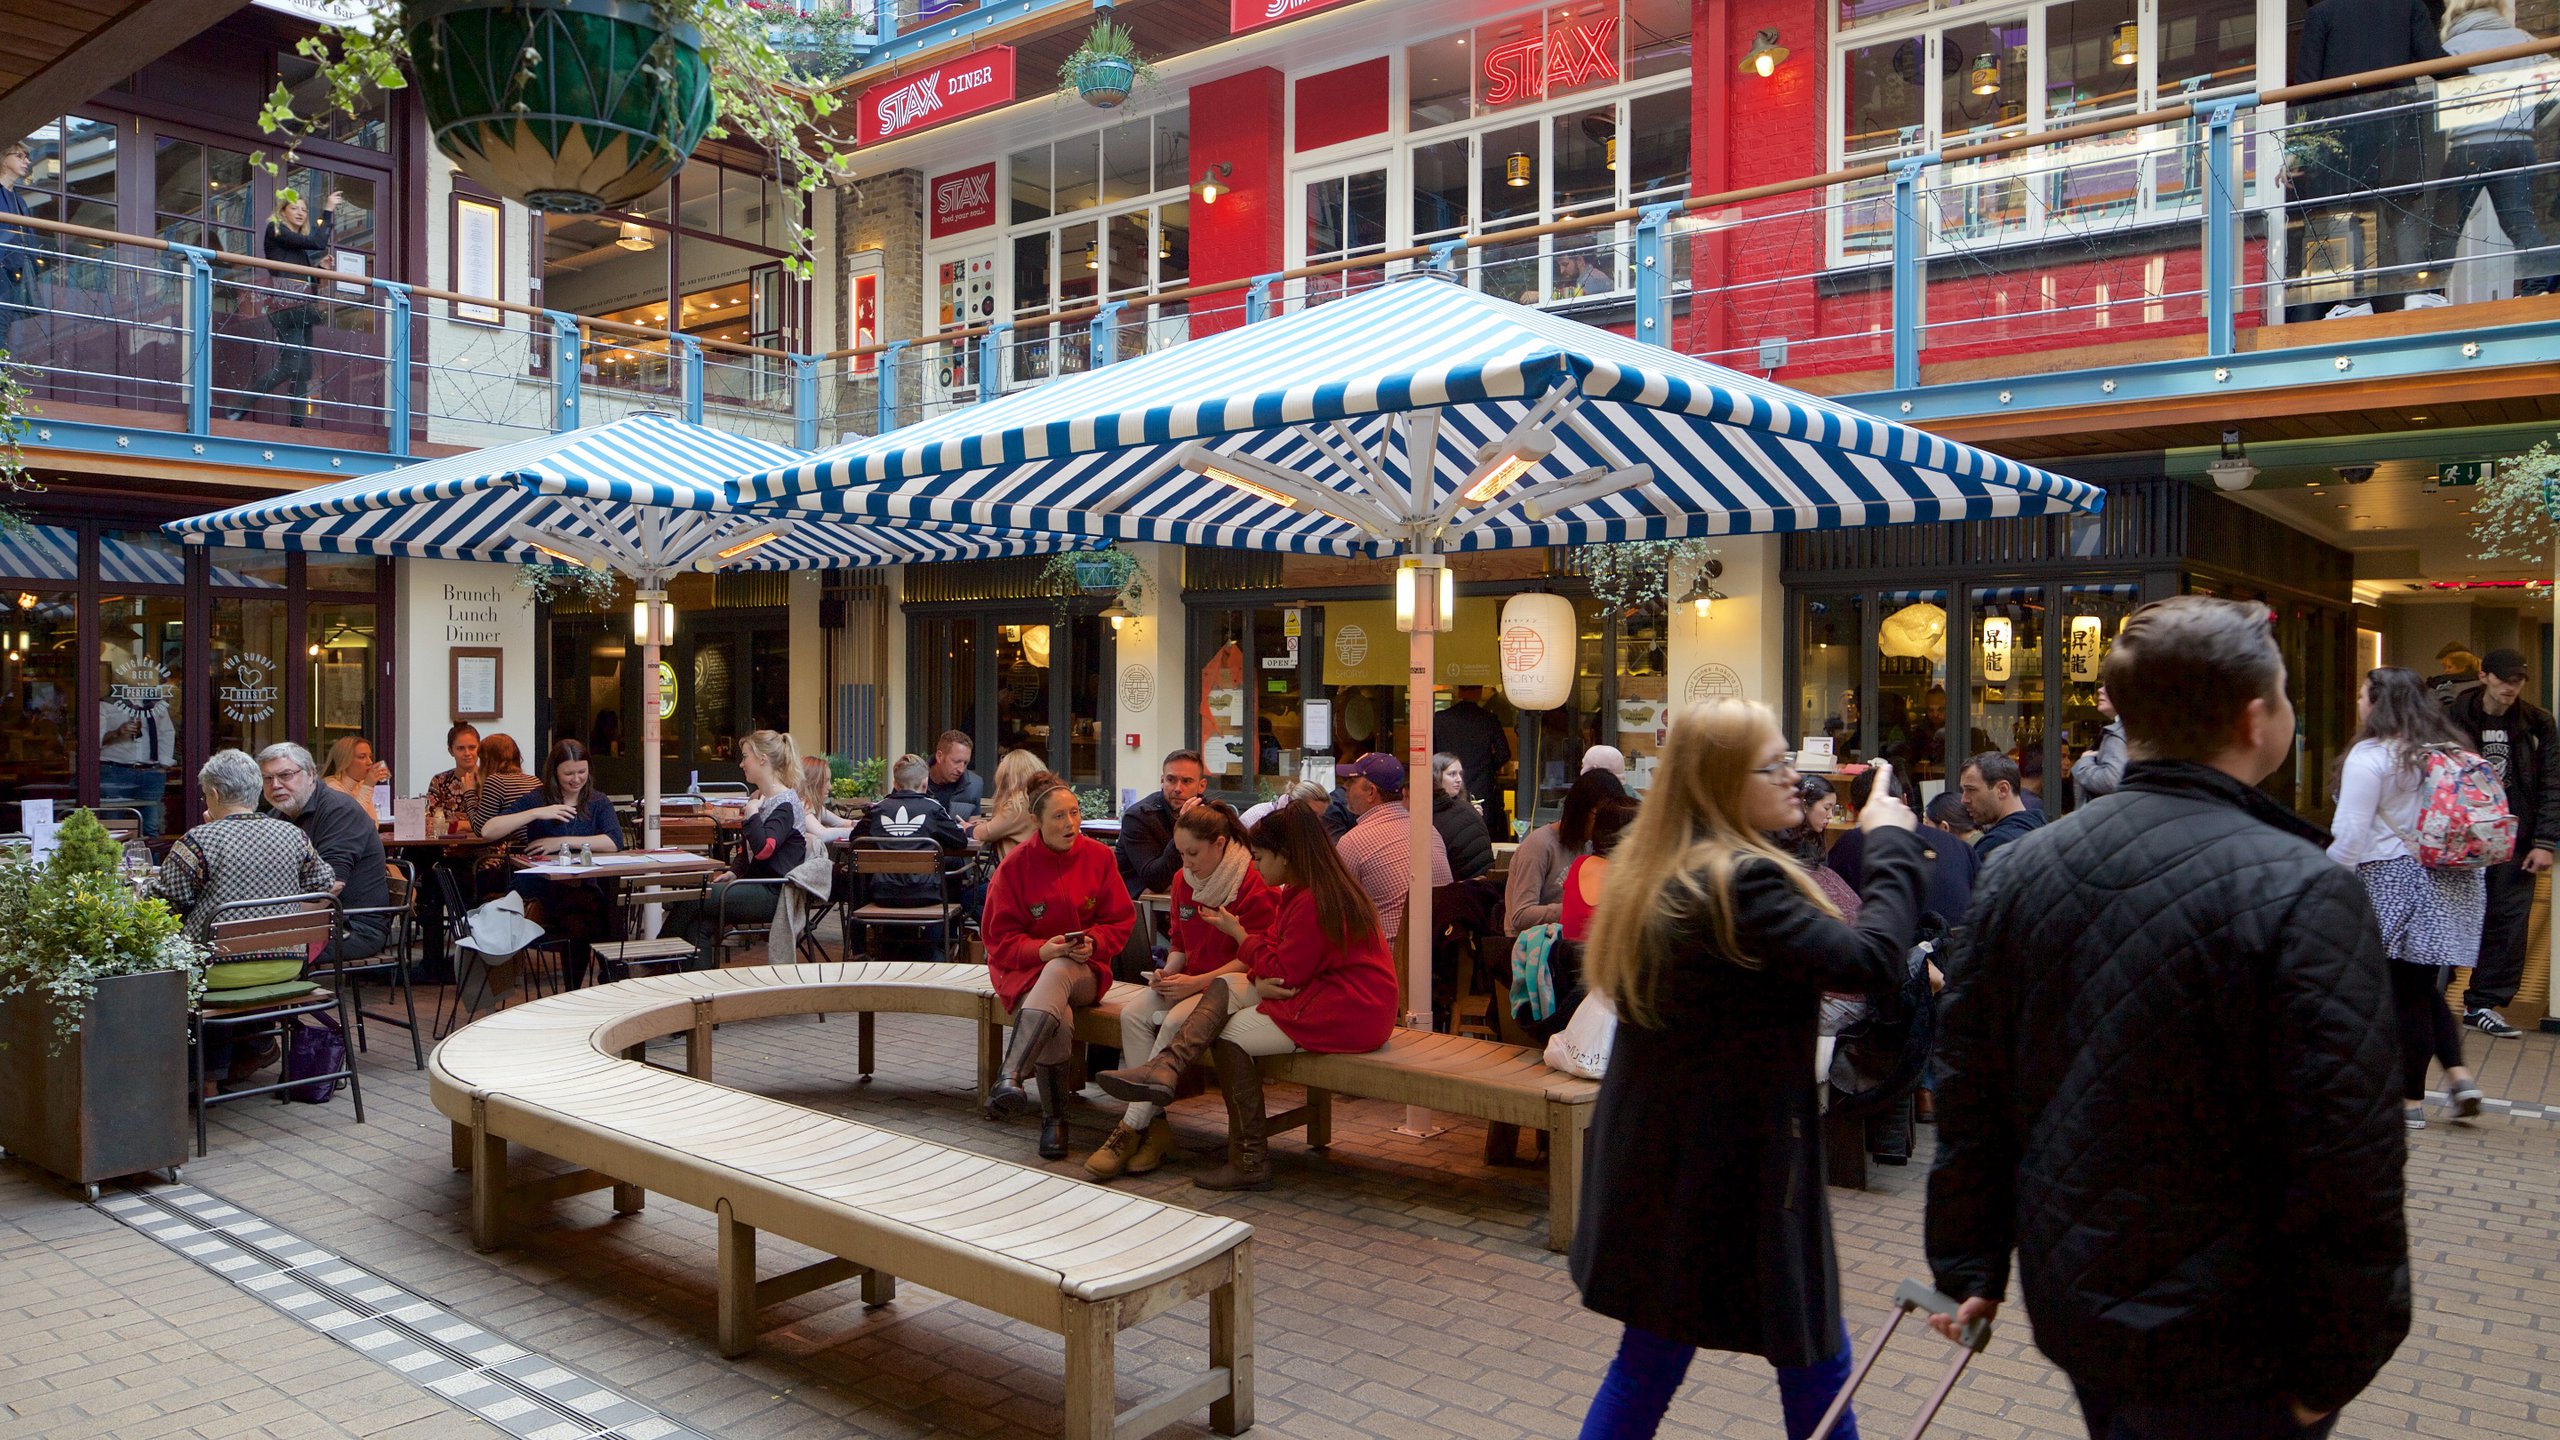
882,212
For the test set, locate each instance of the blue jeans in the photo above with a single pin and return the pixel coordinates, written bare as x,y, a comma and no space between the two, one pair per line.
1648,1371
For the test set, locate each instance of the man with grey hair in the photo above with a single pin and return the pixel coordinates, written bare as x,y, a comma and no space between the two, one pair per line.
343,834
909,818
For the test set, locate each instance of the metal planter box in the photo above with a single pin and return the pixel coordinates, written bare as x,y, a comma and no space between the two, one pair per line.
113,1100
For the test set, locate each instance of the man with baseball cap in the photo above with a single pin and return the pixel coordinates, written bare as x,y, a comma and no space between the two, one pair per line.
1378,848
2519,739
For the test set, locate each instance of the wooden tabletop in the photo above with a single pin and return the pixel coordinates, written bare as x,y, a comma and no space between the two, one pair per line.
439,842
621,865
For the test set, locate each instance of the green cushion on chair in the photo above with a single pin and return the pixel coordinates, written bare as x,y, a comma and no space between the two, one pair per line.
258,994
250,974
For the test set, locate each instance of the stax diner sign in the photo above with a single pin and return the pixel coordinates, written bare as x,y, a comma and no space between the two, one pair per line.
1244,15
963,200
976,81
1568,55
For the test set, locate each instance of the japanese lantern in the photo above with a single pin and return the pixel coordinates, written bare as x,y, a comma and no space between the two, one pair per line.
1537,636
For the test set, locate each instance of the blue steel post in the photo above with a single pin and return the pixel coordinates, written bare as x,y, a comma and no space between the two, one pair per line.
1444,256
804,401
692,379
991,360
395,384
567,357
200,337
1653,274
1257,298
1104,330
1909,268
2221,248
888,371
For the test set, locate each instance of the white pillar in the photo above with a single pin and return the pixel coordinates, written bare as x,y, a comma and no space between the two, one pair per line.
1417,798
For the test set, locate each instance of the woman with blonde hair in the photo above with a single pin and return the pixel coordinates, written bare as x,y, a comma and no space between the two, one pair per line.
1006,821
352,771
772,842
1704,1221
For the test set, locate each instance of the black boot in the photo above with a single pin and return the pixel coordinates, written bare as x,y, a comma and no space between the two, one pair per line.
1006,1097
1053,1112
1248,1164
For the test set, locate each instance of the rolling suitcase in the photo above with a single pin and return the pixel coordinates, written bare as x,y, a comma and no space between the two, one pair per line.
1914,1295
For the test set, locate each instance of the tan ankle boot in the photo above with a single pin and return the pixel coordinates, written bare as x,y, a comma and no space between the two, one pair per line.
1112,1160
1152,1149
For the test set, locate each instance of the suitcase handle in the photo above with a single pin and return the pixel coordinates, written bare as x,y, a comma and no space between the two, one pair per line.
1918,1295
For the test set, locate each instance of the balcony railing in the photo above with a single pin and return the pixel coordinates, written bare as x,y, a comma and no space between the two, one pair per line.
2185,234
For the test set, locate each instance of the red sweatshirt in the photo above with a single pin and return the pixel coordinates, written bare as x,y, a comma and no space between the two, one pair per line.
1039,894
1203,946
1346,1000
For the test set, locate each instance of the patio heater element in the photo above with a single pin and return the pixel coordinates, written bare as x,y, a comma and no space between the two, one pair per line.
764,537
1235,481
1503,473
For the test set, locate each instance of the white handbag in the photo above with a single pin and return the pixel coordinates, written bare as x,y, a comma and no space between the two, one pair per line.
1582,1047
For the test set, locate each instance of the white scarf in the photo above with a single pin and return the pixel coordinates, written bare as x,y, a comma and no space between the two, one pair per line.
1219,890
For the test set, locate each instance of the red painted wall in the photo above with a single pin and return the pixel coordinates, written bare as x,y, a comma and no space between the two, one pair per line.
1343,104
1243,121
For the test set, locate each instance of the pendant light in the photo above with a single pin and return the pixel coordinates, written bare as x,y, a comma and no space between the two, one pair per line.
1985,79
1515,170
635,237
2126,47
1091,261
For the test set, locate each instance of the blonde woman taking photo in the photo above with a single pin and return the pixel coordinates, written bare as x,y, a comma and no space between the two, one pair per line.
1705,1222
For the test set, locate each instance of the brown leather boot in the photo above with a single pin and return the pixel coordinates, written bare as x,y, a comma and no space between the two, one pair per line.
1152,1150
1053,1112
1130,1152
1153,1080
1248,1164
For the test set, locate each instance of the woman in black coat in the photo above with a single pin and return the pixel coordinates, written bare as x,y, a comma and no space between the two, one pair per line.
1704,1220
1460,823
293,239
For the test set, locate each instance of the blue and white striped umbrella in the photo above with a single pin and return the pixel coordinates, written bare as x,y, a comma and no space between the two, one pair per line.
1298,434
632,487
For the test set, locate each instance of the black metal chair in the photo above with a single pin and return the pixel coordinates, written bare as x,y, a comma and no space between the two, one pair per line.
476,966
874,858
391,964
724,931
616,959
287,926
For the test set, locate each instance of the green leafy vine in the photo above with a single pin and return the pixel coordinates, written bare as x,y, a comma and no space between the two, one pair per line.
1628,574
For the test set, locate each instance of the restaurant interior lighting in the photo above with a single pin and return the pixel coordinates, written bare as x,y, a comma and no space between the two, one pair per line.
2126,46
1986,75
26,600
1091,260
1515,170
635,237
1215,181
1765,55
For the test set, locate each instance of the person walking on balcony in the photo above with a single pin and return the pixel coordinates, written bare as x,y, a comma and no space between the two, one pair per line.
18,254
2489,143
294,240
2371,141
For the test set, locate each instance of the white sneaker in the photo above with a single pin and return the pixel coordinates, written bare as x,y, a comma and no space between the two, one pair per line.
2425,300
2349,309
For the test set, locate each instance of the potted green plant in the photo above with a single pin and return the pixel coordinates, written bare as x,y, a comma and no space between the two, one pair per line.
1106,67
1632,574
1070,575
95,985
573,106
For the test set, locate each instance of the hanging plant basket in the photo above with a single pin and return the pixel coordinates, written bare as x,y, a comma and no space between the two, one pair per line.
570,106
1105,81
1104,69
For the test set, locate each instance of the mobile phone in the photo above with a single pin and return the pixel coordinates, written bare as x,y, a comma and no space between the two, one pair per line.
1073,937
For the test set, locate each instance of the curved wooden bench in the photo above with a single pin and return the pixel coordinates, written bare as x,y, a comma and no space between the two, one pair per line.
564,1076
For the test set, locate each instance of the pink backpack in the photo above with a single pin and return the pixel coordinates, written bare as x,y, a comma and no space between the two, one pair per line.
2463,820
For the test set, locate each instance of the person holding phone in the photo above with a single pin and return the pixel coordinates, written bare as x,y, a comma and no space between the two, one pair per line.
568,810
1216,879
1056,913
1319,980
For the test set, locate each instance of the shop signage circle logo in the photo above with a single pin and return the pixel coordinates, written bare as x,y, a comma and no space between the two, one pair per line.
1351,645
1713,682
666,688
140,685
251,695
1523,649
1137,689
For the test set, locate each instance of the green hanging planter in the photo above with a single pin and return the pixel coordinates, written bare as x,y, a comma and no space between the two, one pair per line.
1105,80
602,117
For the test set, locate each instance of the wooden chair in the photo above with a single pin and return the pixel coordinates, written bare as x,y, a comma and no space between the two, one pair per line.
871,856
287,926
390,965
616,959
697,834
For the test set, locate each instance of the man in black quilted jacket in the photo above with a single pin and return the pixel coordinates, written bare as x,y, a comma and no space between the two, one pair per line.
2166,1072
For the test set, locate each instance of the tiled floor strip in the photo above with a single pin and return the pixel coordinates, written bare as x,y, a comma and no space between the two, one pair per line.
2508,1108
523,1393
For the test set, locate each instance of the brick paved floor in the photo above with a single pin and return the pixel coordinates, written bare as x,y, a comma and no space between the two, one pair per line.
1403,1288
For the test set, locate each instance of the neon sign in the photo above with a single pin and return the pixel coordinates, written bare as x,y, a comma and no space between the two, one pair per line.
1566,56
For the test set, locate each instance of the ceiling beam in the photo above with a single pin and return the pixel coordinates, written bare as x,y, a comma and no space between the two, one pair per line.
65,80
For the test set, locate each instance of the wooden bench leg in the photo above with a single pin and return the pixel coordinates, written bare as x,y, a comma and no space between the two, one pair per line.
1319,1118
737,1321
461,1146
1844,1151
1231,1346
697,1052
488,1190
862,1026
990,1055
878,1288
1566,1133
1093,1341
629,1199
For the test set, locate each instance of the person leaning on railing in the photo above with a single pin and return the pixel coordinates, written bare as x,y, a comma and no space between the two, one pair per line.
2489,142
19,259
293,239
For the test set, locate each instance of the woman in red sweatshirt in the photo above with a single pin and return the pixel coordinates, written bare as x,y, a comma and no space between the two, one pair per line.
1217,874
1320,979
1054,911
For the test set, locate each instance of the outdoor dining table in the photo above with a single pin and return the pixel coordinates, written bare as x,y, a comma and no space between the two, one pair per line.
620,865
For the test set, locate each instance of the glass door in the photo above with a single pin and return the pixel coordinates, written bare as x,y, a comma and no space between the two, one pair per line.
1342,215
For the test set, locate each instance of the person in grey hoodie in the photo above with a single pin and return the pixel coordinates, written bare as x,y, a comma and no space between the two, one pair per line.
2100,768
2489,143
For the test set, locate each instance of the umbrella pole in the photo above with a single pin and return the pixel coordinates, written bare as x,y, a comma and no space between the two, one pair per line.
1418,930
653,606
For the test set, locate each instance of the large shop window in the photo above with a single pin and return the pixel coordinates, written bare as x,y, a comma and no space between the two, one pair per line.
1914,75
1101,215
72,177
1531,156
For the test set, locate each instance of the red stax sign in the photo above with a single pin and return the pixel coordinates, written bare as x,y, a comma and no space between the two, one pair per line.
1568,55
976,81
962,200
1243,15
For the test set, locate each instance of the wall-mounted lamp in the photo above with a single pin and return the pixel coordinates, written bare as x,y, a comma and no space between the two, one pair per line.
1115,612
2126,46
1215,181
1766,54
1986,75
1702,593
635,236
653,618
1515,170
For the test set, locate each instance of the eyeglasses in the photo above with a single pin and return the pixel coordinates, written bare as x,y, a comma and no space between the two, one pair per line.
1782,772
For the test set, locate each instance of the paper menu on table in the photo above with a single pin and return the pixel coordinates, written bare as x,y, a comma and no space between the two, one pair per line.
382,802
409,818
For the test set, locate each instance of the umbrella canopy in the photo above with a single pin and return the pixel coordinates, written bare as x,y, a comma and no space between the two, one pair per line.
1301,434
647,495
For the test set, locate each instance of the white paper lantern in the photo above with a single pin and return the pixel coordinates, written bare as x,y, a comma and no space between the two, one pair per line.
1537,639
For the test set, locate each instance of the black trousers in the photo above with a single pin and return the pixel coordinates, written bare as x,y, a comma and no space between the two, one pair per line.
2427,1028
2262,1417
2500,968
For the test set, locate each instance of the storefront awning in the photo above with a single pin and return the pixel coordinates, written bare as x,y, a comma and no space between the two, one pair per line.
629,487
1296,433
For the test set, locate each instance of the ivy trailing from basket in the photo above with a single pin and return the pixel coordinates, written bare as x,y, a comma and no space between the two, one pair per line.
2516,508
15,406
1629,574
66,925
1064,578
553,583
